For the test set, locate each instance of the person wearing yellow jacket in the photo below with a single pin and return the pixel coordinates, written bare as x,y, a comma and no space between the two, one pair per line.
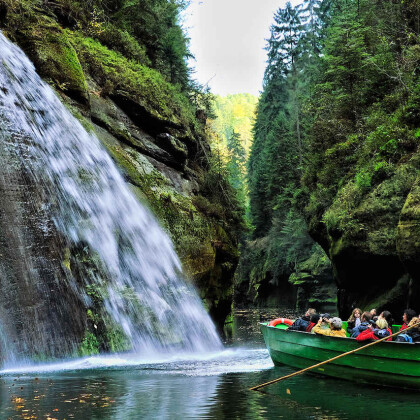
335,328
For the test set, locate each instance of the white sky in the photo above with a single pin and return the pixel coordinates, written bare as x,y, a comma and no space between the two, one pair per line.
228,40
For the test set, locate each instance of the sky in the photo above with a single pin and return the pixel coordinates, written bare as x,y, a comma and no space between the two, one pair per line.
228,39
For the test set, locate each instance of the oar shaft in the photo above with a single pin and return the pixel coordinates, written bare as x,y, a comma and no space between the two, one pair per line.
256,388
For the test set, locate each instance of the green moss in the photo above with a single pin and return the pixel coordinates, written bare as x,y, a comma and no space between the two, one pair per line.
117,340
55,58
89,345
121,41
141,84
66,261
363,180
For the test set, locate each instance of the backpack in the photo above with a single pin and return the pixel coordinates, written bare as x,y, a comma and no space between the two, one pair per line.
299,325
404,338
382,333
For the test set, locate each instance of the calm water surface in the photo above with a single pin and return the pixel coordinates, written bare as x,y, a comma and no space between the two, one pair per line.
213,386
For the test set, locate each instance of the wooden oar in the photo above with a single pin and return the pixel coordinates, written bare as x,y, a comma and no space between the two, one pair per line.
258,387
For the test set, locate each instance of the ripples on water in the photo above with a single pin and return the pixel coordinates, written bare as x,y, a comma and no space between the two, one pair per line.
209,386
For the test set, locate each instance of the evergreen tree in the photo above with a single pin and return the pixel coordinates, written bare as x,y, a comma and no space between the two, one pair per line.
237,165
155,24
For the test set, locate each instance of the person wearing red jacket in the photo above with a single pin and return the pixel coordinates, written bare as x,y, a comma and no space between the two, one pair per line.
380,331
314,321
409,314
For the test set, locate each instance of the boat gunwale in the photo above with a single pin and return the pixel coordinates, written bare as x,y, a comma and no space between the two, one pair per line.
353,343
332,336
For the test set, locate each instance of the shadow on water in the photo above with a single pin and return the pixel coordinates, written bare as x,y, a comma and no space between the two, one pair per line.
212,387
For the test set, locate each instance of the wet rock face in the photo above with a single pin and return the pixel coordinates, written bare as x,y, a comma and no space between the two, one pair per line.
33,279
408,235
314,281
164,173
375,248
161,156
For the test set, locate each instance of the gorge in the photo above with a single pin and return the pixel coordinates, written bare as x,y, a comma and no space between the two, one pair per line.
328,200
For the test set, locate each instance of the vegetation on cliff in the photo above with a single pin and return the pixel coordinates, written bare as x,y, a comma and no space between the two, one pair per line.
336,149
121,68
280,246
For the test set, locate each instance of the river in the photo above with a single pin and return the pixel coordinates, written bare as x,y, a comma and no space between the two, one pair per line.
207,386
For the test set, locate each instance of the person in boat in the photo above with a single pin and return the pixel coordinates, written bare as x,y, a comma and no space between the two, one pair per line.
379,329
354,320
324,319
364,325
335,327
302,323
408,315
407,337
414,332
388,318
314,320
412,335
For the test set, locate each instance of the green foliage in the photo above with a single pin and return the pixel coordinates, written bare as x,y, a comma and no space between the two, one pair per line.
218,190
234,116
144,85
89,345
235,113
363,110
363,180
281,240
156,25
336,121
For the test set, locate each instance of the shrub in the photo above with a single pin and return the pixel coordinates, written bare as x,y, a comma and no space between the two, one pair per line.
364,179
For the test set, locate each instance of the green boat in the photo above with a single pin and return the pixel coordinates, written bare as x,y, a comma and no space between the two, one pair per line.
389,363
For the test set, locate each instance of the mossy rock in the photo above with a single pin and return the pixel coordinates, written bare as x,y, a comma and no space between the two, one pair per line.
408,239
143,93
55,59
369,222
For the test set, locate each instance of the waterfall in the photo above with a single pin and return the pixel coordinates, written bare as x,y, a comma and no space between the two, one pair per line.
80,198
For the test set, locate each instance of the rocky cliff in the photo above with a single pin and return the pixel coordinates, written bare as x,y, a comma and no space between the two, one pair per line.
148,127
371,234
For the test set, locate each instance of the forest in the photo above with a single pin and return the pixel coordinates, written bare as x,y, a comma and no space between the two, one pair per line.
335,155
313,186
158,239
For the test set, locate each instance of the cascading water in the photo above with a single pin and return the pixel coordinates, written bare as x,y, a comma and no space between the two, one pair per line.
80,189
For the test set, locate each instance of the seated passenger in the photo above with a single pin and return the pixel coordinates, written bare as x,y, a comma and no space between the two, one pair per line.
301,324
408,315
314,320
375,332
388,318
334,329
373,315
354,320
414,333
364,325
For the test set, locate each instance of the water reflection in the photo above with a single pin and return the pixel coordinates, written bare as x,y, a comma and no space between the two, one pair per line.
106,395
149,393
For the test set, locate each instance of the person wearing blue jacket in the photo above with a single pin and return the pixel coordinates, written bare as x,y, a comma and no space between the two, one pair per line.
364,325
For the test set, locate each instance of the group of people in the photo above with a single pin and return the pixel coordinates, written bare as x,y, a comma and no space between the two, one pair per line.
362,326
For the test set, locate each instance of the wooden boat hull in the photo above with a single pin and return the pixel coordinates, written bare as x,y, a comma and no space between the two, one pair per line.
389,363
